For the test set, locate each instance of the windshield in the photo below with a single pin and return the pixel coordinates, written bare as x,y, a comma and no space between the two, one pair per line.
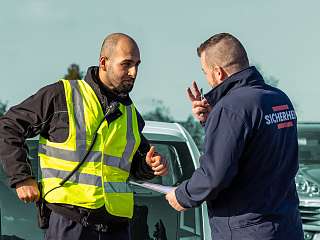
309,144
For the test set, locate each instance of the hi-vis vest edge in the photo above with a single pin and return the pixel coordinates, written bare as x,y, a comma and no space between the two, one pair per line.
102,179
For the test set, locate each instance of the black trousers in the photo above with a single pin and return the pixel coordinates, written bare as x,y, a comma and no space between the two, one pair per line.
61,228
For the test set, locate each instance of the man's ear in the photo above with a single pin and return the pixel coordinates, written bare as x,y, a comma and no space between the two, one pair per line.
103,61
219,73
216,70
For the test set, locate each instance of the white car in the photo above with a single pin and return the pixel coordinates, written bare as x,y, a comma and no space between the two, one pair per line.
153,217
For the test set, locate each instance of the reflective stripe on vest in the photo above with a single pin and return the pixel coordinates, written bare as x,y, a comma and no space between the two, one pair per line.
77,177
68,155
81,138
89,179
92,157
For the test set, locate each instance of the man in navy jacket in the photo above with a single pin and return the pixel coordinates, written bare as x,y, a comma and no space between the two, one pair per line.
250,159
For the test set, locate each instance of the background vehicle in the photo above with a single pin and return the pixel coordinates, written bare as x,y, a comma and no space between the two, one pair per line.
153,216
308,178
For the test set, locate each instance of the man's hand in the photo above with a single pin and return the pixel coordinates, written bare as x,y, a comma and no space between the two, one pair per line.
28,190
200,107
157,163
172,200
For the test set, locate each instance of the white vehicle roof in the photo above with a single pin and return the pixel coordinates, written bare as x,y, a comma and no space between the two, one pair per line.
171,132
163,131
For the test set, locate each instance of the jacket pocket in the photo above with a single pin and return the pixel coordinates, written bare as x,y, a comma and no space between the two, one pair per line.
253,231
250,219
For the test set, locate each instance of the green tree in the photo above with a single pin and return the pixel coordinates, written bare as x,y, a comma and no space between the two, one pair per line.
3,107
74,72
160,113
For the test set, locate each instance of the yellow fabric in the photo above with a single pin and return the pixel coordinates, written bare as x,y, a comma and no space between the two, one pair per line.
111,141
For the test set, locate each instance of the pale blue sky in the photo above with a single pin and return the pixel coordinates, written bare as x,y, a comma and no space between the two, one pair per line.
39,39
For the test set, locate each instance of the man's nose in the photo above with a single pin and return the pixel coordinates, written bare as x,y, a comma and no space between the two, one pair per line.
133,71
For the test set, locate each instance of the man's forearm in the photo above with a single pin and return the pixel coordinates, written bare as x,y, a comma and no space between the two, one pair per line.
13,154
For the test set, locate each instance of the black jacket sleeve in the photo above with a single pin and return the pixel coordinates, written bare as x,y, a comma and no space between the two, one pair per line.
139,168
23,121
226,134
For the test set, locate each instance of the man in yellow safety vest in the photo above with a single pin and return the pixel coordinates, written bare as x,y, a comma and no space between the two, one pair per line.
90,143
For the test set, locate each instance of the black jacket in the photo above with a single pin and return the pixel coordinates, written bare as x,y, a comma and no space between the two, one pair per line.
250,160
46,112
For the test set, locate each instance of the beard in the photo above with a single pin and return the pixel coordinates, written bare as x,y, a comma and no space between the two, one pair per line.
124,87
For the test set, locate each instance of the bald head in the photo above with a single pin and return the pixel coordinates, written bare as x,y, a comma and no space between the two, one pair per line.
226,51
111,42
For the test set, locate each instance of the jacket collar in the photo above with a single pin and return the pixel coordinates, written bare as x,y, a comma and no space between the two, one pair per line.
104,94
246,77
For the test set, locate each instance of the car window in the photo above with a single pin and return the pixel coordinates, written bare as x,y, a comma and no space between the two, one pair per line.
309,145
175,170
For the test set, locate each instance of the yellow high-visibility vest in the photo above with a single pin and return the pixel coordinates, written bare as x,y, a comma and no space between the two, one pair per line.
102,179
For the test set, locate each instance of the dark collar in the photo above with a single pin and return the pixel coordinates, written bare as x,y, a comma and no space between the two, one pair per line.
246,77
104,94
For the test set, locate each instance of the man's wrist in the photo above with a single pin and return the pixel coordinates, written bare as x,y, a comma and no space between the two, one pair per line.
14,184
179,196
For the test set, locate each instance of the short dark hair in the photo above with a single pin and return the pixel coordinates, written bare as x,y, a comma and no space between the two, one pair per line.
240,54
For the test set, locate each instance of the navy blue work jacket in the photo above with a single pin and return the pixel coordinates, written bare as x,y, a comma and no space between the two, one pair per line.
250,160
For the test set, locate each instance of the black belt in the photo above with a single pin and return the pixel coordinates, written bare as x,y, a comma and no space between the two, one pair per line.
96,219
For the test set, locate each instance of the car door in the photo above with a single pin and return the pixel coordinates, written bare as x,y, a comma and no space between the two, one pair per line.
153,216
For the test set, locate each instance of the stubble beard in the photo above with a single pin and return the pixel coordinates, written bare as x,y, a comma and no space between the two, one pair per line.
124,87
